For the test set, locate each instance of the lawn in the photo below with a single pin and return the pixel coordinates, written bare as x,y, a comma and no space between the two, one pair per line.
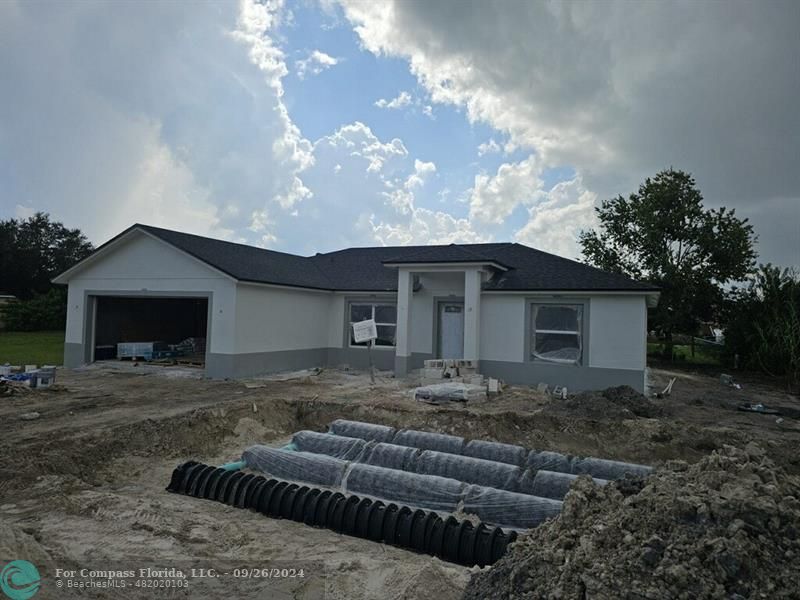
32,347
683,354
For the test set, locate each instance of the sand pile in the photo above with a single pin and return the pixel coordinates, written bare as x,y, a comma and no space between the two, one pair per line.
726,527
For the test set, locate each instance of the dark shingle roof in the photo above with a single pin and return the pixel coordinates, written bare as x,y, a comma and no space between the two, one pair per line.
454,253
362,269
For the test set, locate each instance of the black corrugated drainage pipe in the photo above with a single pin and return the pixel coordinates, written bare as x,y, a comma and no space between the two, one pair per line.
455,541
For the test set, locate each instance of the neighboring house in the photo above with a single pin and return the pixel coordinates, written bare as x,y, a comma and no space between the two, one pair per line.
527,316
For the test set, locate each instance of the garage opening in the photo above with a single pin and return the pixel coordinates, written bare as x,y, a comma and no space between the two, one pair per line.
168,330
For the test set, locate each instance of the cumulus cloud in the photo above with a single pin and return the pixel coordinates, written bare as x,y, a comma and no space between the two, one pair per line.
489,147
404,99
495,197
165,113
314,64
558,216
427,227
619,90
422,170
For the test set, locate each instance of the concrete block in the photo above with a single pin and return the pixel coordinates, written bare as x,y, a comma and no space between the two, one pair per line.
434,364
431,373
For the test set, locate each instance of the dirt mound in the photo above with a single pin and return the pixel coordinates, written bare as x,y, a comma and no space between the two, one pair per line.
726,527
612,403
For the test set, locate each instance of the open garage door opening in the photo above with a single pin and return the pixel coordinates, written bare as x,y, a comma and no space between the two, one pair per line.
167,330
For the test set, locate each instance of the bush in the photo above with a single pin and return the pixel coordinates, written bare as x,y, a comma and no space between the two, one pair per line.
763,324
43,312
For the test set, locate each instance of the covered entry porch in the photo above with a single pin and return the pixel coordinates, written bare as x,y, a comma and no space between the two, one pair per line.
456,317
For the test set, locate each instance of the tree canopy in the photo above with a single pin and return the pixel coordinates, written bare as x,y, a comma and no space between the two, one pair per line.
34,250
663,234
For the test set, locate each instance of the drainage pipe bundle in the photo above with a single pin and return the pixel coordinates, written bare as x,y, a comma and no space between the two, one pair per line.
506,453
455,541
487,473
501,507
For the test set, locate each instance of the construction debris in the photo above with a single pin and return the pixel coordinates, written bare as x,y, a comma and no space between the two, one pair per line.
726,527
728,380
450,392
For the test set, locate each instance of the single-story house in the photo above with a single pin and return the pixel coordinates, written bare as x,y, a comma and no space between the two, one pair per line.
525,315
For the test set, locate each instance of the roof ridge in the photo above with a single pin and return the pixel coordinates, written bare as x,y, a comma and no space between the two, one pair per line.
218,240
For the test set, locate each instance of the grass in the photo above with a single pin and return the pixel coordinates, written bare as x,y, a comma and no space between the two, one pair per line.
683,354
32,347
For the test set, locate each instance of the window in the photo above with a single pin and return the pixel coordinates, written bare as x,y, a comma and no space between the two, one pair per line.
556,333
385,316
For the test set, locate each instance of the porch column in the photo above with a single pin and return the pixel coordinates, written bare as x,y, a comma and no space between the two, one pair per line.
472,314
405,287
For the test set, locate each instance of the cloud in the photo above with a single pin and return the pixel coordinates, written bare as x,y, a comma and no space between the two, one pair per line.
494,198
422,170
404,99
165,113
619,91
558,216
427,227
489,147
314,64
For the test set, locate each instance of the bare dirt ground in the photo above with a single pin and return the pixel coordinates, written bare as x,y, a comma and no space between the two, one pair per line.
83,484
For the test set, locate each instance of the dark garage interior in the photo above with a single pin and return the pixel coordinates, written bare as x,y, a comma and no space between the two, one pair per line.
179,325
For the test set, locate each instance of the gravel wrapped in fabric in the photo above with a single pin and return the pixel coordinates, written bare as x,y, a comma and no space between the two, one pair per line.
428,441
365,431
513,510
596,467
337,446
548,484
504,453
391,456
296,466
422,491
470,470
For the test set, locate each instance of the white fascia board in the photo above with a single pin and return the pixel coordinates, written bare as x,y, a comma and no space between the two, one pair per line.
288,288
365,293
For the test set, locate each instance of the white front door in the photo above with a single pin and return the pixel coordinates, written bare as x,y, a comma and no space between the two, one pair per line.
451,330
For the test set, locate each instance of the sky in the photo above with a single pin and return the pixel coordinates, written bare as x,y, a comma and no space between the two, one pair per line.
310,125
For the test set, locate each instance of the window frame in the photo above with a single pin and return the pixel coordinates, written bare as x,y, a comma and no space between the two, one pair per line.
531,331
372,304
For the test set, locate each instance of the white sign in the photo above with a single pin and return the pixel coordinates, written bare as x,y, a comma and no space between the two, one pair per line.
365,331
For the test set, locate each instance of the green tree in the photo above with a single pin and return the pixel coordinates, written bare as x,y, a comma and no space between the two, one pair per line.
763,324
34,250
663,234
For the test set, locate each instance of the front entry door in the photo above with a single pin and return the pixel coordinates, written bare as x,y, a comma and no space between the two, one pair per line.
451,330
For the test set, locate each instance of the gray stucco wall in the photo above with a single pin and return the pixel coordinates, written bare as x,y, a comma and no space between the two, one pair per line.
576,379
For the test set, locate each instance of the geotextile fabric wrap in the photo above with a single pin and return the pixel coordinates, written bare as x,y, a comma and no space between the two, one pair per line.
417,490
428,441
471,470
365,431
337,446
506,453
296,466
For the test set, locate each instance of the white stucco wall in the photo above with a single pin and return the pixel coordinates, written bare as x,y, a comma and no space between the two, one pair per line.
618,332
502,327
142,265
270,319
616,337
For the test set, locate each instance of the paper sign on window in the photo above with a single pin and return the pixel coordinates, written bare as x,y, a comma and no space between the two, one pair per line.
364,331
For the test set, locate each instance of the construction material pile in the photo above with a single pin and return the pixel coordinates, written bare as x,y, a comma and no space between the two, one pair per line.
621,402
726,527
502,484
